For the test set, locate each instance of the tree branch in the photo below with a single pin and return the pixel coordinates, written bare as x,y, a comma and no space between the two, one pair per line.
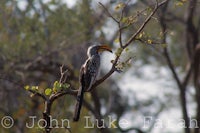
38,94
62,93
108,13
145,22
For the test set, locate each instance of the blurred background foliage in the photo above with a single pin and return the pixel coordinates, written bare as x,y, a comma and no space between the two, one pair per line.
37,37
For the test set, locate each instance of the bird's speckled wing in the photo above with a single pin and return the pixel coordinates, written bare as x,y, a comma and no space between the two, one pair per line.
88,74
91,70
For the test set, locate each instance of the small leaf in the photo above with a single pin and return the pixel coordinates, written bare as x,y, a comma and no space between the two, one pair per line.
149,9
55,90
34,88
119,6
149,41
126,49
116,40
65,85
119,51
132,19
140,35
27,87
48,91
124,19
56,84
179,4
32,95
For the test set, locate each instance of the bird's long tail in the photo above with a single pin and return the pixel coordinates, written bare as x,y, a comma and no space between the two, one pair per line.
78,104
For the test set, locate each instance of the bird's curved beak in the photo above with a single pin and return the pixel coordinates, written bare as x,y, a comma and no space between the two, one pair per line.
104,48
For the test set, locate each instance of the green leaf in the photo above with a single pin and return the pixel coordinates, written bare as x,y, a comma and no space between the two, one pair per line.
27,87
56,84
124,19
65,85
116,40
140,36
126,49
55,90
179,4
132,19
32,95
48,91
34,88
119,51
149,41
119,6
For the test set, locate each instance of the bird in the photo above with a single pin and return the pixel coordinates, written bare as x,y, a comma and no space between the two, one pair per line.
88,73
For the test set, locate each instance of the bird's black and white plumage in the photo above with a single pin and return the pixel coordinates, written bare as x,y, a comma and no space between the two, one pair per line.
88,74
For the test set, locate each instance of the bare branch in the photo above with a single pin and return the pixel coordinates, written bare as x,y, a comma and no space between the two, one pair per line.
108,13
62,93
188,74
120,25
120,35
62,74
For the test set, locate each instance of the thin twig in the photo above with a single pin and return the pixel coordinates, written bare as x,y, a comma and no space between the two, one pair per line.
120,25
120,35
188,74
62,93
62,74
122,12
109,14
38,94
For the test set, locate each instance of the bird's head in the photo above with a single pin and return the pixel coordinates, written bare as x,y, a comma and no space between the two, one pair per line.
96,49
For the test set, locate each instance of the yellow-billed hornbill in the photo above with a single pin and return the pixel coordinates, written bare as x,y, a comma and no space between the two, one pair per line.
88,74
